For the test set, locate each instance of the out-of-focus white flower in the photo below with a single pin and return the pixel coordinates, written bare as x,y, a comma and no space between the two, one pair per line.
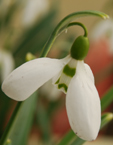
6,64
33,10
104,30
50,91
69,75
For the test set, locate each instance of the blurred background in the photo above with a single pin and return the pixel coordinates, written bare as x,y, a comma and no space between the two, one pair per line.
25,26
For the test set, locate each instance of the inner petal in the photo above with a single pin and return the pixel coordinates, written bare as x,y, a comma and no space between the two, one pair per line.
62,80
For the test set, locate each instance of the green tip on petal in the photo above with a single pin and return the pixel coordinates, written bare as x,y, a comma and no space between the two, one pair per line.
80,48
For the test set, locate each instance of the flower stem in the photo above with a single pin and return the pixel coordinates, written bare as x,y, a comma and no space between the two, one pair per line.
79,24
64,24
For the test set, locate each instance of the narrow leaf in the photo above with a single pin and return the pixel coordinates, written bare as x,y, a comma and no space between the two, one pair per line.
17,130
106,118
107,99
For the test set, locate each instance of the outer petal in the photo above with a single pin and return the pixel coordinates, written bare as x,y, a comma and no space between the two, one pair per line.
27,78
83,105
89,72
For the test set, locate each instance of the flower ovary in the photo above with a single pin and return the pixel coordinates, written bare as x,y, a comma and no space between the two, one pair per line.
80,48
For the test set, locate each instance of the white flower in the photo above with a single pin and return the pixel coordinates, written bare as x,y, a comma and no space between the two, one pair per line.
104,29
73,77
6,64
33,10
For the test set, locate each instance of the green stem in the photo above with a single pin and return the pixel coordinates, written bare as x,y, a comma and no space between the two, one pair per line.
79,24
10,123
64,24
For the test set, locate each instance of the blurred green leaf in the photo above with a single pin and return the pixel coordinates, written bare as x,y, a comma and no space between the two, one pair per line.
107,99
18,128
6,17
34,39
5,104
43,121
78,141
68,138
106,118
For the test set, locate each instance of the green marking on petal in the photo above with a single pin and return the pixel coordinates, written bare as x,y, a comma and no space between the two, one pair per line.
69,71
63,86
57,81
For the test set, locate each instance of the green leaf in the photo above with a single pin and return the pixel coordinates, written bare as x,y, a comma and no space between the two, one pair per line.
107,99
5,104
106,118
34,38
18,128
68,138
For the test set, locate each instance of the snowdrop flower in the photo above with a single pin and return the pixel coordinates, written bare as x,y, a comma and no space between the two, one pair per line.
70,75
34,9
104,29
6,64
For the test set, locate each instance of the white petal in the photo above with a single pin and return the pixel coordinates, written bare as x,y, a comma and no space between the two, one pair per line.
89,72
83,105
27,78
33,10
65,61
102,28
7,65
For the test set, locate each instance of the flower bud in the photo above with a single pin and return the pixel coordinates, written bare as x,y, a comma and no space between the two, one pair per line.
80,48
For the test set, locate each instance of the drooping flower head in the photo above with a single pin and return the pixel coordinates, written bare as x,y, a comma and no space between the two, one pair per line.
70,75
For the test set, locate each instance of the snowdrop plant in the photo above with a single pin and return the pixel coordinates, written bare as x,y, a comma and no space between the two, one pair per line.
70,75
